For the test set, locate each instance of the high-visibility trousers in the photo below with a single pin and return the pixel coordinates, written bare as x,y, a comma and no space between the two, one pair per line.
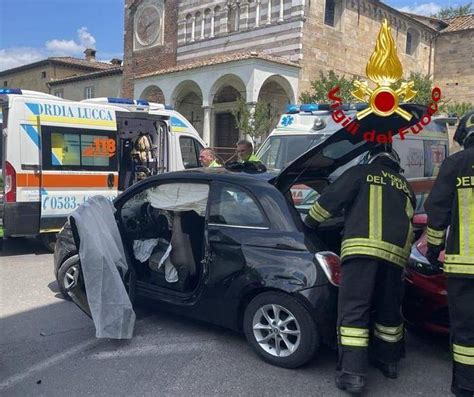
461,314
369,286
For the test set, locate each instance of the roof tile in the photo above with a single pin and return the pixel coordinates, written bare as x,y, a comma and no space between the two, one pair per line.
463,22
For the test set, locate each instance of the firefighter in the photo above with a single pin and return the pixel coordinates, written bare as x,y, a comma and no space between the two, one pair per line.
378,205
451,203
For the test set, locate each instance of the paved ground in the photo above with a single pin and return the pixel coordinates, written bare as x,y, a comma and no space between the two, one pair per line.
47,348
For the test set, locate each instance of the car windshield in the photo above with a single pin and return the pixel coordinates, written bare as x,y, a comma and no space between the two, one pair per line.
279,151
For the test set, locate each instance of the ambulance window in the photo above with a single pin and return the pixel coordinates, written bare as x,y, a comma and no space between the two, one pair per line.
78,149
189,152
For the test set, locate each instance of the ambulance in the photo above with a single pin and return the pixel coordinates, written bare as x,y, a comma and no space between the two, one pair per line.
304,126
57,153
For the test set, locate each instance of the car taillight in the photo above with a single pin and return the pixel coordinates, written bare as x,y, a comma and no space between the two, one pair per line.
331,265
10,183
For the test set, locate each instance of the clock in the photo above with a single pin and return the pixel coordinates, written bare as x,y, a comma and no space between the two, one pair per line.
148,20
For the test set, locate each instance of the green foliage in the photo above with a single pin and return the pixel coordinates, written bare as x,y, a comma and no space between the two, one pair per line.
457,109
320,88
325,83
256,123
450,11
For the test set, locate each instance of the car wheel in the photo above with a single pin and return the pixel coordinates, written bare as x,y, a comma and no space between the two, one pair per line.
68,275
280,330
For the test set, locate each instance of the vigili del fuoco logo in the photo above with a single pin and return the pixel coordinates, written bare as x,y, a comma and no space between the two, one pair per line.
384,69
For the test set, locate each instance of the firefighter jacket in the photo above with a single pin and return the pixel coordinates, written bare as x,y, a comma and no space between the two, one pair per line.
378,205
451,203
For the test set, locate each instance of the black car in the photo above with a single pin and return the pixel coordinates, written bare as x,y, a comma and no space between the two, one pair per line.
246,260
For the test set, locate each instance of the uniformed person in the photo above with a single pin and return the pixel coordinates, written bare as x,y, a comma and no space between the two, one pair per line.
378,205
207,157
245,152
451,203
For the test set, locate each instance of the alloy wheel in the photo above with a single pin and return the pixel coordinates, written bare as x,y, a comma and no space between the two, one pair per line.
70,277
276,330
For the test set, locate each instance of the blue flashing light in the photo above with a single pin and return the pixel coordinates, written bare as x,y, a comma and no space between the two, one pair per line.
125,101
10,91
169,107
309,107
142,102
292,109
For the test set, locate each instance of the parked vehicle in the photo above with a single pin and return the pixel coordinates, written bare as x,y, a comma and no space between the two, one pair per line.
305,126
246,261
425,303
57,153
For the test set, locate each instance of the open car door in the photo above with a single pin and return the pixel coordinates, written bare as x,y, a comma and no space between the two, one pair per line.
342,147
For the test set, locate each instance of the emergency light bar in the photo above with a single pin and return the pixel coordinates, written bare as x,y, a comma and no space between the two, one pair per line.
10,91
313,107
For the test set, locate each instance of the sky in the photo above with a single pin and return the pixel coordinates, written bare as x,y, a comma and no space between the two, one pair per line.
31,30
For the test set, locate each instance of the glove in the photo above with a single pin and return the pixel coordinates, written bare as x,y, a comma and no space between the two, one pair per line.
433,254
310,223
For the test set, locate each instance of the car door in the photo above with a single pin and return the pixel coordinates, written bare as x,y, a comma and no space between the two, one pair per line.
235,223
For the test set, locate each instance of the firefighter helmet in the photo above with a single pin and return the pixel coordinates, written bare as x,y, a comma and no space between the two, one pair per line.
381,152
465,128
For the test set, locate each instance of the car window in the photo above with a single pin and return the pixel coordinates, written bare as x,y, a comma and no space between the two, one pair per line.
233,206
188,152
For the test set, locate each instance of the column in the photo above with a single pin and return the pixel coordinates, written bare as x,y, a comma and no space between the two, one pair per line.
185,23
245,12
257,13
212,24
206,125
269,12
193,28
237,17
203,25
282,5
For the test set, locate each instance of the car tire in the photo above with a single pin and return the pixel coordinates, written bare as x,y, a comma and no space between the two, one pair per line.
68,273
297,339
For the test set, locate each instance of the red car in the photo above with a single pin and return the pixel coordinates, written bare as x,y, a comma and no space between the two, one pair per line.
426,299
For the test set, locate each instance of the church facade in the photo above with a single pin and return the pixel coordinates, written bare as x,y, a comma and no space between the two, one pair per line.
200,56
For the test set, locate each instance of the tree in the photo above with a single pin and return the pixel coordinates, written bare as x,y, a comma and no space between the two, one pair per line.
326,83
256,123
450,12
422,85
457,109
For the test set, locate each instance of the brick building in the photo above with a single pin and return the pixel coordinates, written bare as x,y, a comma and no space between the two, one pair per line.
200,55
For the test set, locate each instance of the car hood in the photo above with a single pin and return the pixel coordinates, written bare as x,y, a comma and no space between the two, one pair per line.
342,147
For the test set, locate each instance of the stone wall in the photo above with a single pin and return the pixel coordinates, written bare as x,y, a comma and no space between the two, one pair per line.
148,60
347,47
454,65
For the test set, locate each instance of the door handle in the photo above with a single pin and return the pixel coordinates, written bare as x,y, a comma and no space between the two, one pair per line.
110,180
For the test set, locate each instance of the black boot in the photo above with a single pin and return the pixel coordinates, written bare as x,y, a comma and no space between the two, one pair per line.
388,370
351,383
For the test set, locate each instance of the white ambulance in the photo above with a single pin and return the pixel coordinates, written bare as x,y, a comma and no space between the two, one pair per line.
303,126
56,153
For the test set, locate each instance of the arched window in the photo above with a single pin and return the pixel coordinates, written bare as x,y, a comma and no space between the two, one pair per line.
217,20
413,39
189,27
198,25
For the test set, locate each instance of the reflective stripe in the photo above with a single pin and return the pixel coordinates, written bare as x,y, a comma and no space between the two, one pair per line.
409,211
465,350
459,264
466,221
354,331
388,338
435,233
319,213
434,240
375,212
389,330
463,359
359,342
379,249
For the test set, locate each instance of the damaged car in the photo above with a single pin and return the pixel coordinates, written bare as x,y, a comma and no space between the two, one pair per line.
229,247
